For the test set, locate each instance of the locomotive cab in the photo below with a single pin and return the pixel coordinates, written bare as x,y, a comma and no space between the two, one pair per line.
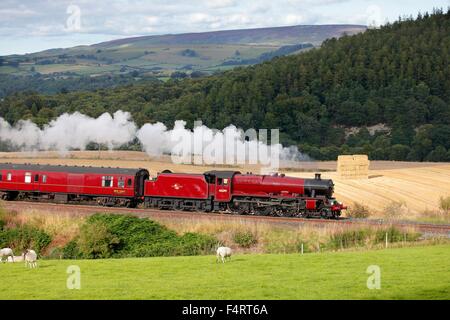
220,184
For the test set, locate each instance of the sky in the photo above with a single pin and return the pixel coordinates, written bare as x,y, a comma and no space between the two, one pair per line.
35,25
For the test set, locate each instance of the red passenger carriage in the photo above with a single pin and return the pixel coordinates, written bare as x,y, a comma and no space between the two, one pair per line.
107,186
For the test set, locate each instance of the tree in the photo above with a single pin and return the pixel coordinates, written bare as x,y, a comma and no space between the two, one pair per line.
198,74
399,152
96,241
437,155
422,144
402,135
178,75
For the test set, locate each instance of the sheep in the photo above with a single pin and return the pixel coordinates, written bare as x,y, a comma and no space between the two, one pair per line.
223,253
6,252
30,258
15,258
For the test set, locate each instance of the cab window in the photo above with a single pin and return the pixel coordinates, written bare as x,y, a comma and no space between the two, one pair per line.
222,181
129,182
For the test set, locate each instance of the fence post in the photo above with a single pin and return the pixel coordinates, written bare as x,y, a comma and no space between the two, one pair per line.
302,248
386,239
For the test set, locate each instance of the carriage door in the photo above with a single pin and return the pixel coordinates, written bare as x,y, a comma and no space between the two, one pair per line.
35,183
75,183
223,189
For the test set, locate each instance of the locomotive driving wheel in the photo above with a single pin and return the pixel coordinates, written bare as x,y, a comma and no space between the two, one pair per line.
262,210
326,213
289,209
237,207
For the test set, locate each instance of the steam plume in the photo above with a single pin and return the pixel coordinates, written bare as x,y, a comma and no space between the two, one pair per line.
76,131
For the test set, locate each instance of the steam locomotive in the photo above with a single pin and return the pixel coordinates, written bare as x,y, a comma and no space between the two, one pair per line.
213,191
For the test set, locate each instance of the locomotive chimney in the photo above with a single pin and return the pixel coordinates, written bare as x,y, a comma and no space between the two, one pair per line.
318,176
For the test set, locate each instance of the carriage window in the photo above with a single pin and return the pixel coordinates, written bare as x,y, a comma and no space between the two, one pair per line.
121,183
129,182
1,177
219,181
27,177
9,176
225,182
107,181
44,178
36,178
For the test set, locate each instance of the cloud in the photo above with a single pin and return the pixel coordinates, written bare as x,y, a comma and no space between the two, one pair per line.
138,17
316,2
20,11
294,19
153,20
219,4
199,17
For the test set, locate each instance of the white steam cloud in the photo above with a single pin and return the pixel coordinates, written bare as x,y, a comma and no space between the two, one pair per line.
76,131
70,131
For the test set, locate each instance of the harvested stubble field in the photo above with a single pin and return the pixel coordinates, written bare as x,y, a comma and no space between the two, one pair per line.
417,185
417,188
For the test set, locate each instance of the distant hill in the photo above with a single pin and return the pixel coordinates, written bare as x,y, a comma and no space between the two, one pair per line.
160,57
276,36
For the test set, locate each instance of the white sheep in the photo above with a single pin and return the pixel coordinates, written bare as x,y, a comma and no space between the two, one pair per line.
223,253
15,259
30,258
6,252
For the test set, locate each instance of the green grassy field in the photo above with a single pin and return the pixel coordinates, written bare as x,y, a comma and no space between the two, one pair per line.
407,273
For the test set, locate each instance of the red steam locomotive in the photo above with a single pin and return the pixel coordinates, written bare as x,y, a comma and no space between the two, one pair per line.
218,191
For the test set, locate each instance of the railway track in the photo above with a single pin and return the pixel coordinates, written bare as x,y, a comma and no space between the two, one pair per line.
164,215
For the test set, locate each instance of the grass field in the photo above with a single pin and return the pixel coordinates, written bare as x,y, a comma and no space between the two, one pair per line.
407,273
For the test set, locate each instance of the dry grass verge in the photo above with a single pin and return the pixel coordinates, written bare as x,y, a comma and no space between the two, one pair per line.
243,235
